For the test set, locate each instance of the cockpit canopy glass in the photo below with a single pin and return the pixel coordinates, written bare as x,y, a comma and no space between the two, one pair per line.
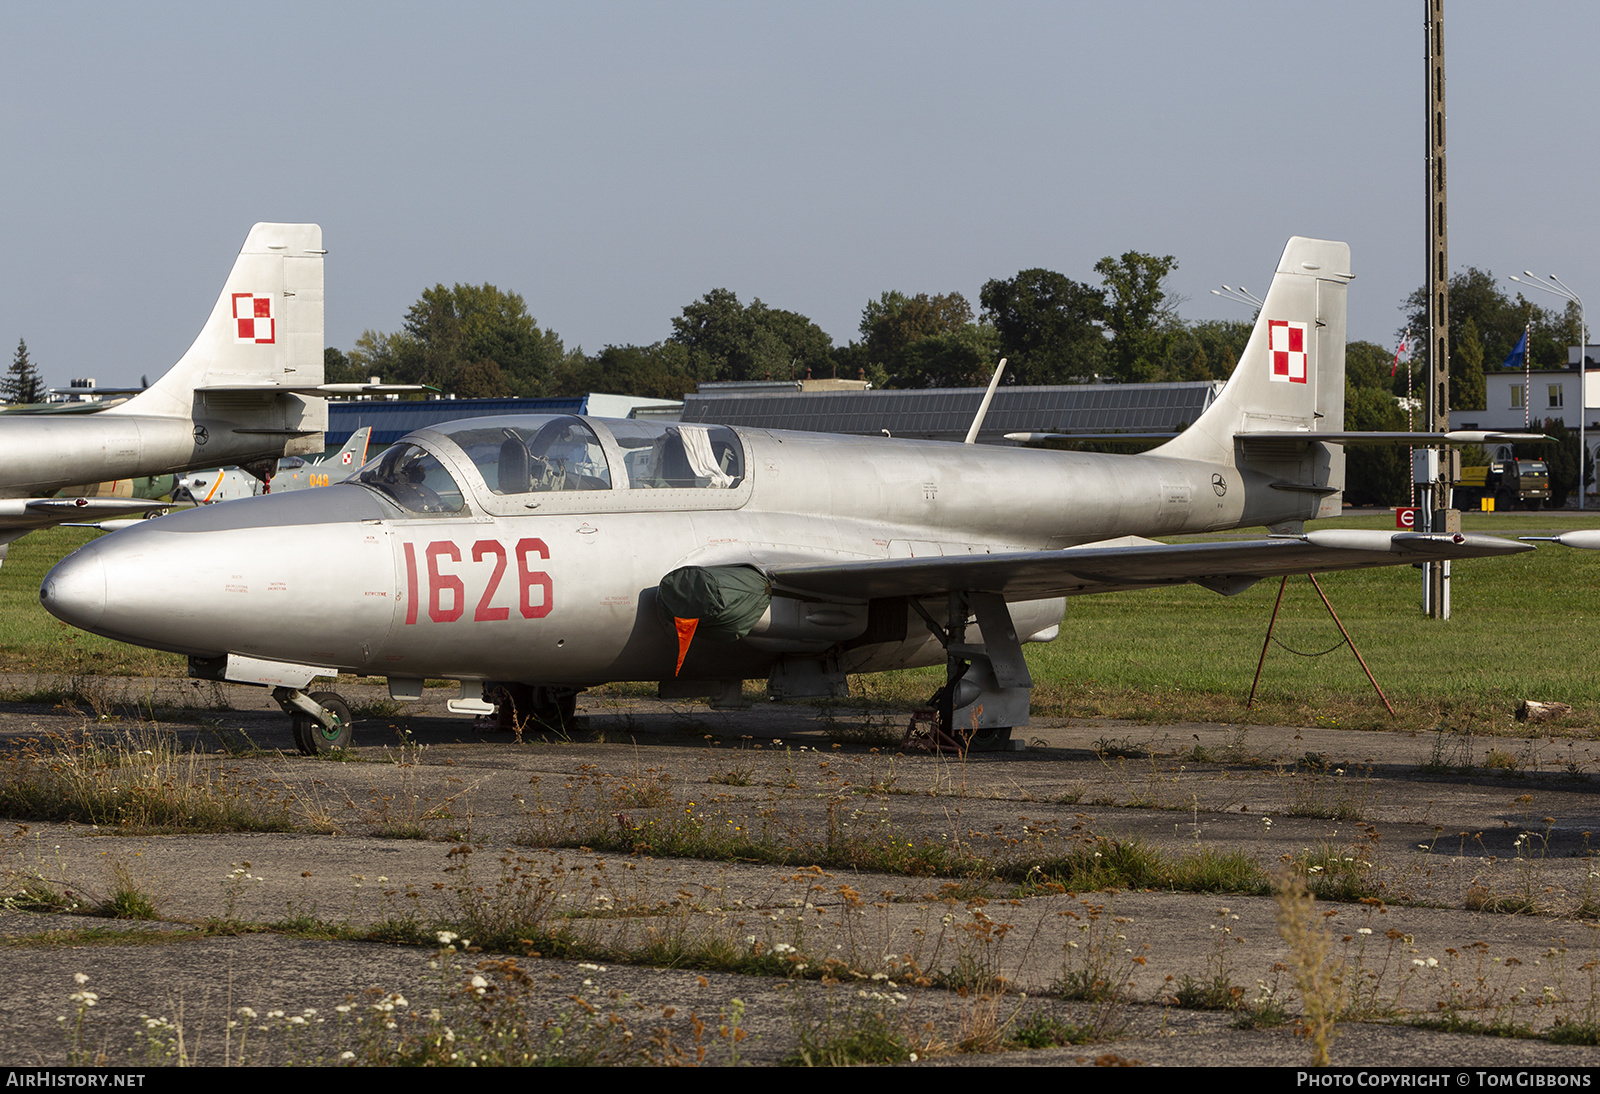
530,454
413,479
679,455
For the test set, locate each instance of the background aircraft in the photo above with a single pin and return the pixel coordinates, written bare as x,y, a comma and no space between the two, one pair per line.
294,473
246,392
558,552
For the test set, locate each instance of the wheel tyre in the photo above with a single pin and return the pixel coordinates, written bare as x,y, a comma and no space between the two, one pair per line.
990,739
323,738
299,724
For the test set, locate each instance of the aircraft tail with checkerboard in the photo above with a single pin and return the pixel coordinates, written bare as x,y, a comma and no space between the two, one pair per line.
254,374
1288,386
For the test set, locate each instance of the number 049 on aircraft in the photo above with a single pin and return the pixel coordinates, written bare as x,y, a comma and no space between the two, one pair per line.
554,553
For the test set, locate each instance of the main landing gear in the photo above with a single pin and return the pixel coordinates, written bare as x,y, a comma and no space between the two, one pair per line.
321,720
987,686
525,708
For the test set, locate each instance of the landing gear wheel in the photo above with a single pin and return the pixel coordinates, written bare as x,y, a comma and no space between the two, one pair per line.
312,737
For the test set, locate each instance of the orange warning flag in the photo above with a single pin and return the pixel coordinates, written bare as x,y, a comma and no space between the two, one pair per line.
685,636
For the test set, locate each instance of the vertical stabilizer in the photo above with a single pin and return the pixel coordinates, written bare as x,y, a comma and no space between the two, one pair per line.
354,452
266,328
1291,374
1289,378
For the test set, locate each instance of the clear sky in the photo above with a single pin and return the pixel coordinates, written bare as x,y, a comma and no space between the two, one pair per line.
612,162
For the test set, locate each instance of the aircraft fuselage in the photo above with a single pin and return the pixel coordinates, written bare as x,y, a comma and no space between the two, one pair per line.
557,587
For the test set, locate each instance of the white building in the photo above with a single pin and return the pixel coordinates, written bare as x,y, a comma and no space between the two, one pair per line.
1520,400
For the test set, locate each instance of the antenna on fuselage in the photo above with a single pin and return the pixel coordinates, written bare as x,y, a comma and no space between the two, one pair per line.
983,407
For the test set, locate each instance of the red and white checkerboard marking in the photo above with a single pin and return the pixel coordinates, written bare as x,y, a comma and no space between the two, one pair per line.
347,458
1286,343
252,319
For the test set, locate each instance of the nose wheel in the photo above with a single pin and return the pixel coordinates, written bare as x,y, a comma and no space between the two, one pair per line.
321,721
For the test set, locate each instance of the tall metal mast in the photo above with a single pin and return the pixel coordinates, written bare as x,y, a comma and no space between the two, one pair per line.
1438,282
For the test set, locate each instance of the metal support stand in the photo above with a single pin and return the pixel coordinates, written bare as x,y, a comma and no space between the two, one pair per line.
1348,641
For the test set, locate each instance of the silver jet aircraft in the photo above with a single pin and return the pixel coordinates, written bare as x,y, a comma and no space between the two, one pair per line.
554,553
246,392
293,473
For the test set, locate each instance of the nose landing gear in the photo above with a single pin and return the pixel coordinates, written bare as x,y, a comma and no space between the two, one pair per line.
321,721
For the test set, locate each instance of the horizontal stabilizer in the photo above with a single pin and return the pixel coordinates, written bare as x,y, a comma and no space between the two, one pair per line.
312,389
1029,438
1418,440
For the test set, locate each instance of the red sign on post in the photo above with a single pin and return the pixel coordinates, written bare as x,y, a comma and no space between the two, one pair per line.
1405,518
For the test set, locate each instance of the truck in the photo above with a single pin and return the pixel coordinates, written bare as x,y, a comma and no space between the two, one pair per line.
1511,483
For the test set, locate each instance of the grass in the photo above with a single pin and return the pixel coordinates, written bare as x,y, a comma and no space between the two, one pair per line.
138,781
34,641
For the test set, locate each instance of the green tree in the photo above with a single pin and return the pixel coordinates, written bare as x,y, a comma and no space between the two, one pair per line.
894,321
925,341
1374,474
729,341
1367,365
339,369
1203,351
22,383
1468,390
959,358
471,340
1047,326
1476,297
1136,311
659,371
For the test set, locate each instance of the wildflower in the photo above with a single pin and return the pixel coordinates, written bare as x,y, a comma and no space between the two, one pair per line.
81,978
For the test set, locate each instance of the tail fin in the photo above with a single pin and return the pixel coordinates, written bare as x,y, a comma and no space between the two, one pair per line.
266,328
353,454
1290,377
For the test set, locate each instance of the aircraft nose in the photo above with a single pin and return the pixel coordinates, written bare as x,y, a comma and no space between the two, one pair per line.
75,591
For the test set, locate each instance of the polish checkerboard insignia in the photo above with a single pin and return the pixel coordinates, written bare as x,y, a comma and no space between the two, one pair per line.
346,458
1286,343
253,322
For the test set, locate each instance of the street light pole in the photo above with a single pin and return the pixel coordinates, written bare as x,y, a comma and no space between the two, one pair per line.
1556,287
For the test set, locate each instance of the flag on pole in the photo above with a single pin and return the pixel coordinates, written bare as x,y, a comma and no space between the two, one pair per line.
1518,355
1399,353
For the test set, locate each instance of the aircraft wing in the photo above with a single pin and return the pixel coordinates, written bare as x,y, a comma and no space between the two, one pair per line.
18,515
1224,566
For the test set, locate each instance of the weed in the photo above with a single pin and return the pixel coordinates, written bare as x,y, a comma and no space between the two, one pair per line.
1043,1030
1268,1009
1122,748
1338,874
124,898
1320,790
1499,761
138,781
837,1028
1318,979
1216,990
1478,994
